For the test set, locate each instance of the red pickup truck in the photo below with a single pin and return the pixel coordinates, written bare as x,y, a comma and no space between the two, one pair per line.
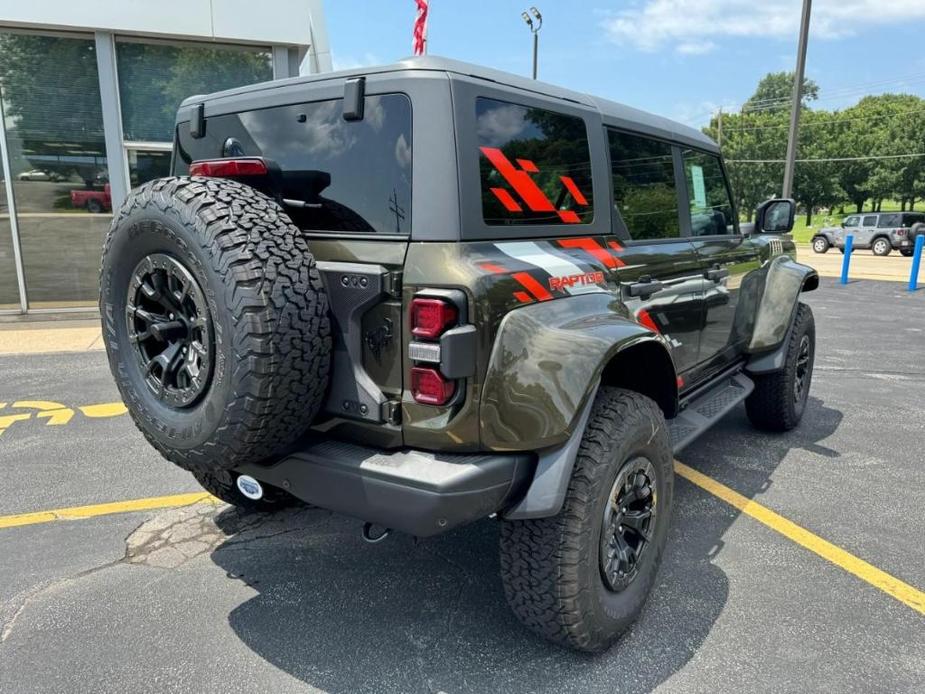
92,200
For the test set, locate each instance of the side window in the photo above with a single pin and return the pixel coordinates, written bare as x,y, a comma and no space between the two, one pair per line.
890,221
644,187
710,204
338,175
870,221
535,165
851,222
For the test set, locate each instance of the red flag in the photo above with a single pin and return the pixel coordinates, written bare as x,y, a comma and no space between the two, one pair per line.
419,40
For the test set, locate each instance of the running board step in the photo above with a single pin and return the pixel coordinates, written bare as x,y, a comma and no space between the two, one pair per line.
707,409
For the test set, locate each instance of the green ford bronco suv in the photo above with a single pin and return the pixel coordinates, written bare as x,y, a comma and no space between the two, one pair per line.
432,293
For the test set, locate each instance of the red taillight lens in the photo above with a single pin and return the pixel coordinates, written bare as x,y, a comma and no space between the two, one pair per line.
429,387
431,317
900,232
225,168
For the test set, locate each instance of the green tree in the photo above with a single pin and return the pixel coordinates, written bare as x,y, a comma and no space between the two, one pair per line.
775,90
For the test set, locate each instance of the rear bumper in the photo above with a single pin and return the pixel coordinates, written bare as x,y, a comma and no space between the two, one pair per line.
417,492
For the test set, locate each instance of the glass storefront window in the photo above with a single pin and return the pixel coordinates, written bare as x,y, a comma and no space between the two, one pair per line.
9,288
54,126
155,77
146,165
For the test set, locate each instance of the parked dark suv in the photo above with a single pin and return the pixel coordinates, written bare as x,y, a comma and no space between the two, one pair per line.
431,293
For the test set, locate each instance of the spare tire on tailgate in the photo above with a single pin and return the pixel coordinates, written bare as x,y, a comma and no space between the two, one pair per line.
215,321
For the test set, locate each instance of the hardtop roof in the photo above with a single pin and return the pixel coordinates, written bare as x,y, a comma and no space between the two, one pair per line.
613,113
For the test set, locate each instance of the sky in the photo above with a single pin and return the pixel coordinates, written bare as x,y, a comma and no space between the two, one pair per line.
678,58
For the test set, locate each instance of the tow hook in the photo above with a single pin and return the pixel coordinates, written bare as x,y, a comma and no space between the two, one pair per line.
375,538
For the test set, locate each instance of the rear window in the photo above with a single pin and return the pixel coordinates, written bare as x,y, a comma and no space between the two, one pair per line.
890,220
337,175
534,165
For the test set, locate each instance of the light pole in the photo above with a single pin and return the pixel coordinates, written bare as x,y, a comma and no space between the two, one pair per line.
797,102
535,30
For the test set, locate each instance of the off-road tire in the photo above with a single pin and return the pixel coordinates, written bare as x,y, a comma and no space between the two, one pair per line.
270,329
881,246
221,484
821,244
773,406
550,566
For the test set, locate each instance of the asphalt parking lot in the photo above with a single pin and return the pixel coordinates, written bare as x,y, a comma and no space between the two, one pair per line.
198,598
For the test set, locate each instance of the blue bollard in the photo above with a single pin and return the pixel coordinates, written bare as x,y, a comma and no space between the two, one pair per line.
916,261
849,245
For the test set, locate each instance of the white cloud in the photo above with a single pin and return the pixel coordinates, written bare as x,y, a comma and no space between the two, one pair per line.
688,25
695,47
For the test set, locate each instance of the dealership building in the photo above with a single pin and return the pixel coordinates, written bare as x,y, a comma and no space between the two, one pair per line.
89,91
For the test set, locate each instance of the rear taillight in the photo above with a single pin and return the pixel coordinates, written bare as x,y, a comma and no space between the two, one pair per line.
429,387
900,232
430,318
228,168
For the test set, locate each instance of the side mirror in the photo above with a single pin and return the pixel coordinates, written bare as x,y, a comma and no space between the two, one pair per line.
775,216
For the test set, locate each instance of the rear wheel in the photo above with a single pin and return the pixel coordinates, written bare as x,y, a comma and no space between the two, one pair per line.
881,246
907,252
215,322
581,578
94,206
779,398
821,244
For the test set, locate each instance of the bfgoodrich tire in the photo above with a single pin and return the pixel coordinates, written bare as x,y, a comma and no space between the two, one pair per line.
215,322
779,398
571,578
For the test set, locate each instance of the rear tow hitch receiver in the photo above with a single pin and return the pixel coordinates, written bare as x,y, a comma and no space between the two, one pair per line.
250,487
374,538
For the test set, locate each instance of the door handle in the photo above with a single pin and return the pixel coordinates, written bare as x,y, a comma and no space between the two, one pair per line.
644,288
717,274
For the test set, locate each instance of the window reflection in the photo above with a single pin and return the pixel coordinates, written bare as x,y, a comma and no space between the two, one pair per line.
644,189
711,206
50,92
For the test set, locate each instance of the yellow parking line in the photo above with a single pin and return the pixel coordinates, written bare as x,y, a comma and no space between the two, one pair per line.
890,585
80,512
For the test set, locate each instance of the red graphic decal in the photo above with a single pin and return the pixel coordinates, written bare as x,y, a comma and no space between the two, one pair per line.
492,267
510,204
615,245
595,249
645,319
522,297
571,280
531,285
526,187
680,382
573,189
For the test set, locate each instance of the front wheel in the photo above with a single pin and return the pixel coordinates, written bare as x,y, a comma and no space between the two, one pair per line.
882,247
821,244
779,398
581,578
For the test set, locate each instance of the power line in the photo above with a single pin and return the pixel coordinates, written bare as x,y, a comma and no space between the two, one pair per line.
801,161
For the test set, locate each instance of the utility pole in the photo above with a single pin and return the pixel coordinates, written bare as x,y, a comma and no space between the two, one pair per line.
719,127
797,101
535,30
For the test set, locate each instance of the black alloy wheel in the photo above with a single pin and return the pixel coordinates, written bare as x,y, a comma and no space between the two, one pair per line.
628,523
170,330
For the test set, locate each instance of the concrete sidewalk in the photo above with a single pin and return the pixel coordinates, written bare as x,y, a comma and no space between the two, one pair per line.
41,337
864,265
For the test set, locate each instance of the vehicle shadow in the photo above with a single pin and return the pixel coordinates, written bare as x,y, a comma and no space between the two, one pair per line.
346,616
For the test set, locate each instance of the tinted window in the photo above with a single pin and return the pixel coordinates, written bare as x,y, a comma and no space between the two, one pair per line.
910,219
644,189
851,221
710,204
339,175
890,220
534,166
870,221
